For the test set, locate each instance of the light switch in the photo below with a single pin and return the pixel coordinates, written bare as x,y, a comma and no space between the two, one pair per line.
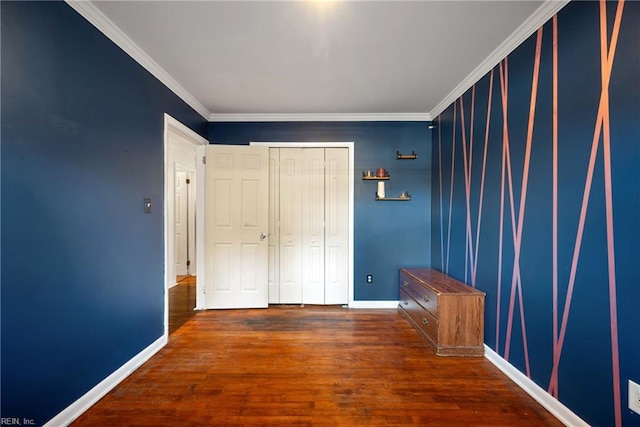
147,205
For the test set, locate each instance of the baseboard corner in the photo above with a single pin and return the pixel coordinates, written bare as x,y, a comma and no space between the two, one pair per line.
77,408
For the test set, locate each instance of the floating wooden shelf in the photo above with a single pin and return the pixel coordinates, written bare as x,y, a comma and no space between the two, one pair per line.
393,199
375,178
411,156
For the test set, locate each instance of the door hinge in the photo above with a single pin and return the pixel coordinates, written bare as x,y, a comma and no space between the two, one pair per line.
188,181
204,160
188,263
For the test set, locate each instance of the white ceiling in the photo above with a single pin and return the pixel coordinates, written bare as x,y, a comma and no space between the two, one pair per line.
233,60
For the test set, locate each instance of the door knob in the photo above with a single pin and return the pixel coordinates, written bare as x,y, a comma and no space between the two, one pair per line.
263,236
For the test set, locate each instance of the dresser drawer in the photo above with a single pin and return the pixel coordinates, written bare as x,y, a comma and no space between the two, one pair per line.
422,320
424,296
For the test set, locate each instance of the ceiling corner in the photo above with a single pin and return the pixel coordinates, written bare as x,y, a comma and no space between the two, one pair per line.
545,12
91,13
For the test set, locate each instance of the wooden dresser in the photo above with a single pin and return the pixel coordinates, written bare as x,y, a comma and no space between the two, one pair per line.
448,314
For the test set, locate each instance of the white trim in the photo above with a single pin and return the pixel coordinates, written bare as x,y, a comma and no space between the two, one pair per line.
168,121
352,210
200,200
545,12
183,130
557,409
350,146
92,14
296,144
327,117
77,408
373,304
173,125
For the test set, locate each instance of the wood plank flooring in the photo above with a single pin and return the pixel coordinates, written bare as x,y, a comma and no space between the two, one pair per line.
182,300
288,365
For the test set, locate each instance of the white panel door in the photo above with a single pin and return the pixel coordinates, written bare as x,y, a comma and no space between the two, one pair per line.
313,210
274,228
290,226
236,225
336,226
181,221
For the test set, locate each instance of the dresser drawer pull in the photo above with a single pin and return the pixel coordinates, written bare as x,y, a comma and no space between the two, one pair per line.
405,283
425,322
425,298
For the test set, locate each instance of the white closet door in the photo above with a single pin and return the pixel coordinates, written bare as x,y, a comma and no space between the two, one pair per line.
337,225
313,182
274,221
290,225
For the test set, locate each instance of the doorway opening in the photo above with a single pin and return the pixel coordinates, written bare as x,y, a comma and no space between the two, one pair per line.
182,147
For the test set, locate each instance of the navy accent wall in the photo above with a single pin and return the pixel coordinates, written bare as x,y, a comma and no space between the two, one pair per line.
82,265
596,287
388,235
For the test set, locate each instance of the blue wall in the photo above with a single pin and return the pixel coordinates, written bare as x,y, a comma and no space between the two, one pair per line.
82,266
388,235
588,367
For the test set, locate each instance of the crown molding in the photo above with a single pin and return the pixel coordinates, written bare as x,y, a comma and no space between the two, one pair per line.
92,14
545,12
328,117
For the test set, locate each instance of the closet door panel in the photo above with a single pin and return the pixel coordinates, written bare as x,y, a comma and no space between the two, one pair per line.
274,219
290,225
313,211
337,225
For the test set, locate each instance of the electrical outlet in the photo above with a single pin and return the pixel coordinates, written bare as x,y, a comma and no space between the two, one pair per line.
634,397
369,278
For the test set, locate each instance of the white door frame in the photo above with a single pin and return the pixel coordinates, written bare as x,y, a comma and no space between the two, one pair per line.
350,147
173,125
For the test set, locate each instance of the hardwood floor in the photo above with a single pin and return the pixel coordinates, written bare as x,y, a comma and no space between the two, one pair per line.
288,365
182,300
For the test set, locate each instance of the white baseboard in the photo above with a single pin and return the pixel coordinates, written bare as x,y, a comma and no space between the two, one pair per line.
551,404
373,304
77,408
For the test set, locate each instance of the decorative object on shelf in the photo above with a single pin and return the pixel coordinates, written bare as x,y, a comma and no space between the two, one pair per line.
400,198
373,175
381,174
411,156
